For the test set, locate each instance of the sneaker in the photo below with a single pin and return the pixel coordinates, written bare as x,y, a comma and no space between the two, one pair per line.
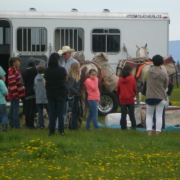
51,134
4,127
41,127
31,128
124,129
17,128
62,133
98,129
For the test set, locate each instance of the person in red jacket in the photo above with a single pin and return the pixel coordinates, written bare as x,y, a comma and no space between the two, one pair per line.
126,91
15,91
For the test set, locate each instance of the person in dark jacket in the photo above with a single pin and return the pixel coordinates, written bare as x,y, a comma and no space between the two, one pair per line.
73,86
28,77
56,91
40,93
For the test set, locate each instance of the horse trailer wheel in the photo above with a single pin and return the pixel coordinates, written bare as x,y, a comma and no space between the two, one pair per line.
108,103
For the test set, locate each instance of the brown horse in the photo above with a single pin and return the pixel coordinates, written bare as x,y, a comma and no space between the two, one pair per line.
107,81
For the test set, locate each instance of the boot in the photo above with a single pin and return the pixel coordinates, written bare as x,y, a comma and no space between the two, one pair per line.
4,127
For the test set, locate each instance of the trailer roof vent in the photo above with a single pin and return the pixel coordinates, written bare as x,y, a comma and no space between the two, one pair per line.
32,9
106,10
74,10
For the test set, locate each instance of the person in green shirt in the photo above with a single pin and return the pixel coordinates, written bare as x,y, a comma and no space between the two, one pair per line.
3,111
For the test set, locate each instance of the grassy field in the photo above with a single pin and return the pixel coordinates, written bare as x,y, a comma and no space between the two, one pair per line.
175,96
108,154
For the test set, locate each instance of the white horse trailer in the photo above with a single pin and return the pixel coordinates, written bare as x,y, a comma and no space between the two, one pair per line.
33,33
38,34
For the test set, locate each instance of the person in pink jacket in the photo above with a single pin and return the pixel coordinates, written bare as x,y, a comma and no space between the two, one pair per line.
91,85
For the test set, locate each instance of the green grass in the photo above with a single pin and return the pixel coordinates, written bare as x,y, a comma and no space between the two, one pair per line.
106,154
175,96
95,155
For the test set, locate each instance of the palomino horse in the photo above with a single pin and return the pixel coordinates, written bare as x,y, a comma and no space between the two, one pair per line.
141,59
168,66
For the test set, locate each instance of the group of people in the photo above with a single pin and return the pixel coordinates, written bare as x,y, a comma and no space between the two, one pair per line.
57,87
156,86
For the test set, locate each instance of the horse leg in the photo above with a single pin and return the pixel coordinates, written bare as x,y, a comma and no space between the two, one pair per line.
137,98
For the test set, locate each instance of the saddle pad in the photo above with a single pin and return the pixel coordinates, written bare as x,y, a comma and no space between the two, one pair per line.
140,69
134,65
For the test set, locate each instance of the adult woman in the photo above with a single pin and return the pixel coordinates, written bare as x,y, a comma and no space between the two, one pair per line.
73,86
56,91
157,82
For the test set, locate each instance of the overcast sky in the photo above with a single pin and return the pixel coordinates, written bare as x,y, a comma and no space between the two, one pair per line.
170,6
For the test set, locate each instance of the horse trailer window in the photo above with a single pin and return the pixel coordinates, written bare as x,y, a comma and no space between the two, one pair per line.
1,35
106,40
31,39
72,37
4,35
7,35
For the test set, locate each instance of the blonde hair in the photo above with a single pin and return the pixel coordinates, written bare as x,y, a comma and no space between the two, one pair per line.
73,71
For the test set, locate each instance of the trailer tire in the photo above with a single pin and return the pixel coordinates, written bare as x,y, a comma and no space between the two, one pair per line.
108,103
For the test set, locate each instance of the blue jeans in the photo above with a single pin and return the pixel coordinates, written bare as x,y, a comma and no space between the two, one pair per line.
0,118
56,109
93,114
75,113
14,114
123,122
40,113
65,110
4,116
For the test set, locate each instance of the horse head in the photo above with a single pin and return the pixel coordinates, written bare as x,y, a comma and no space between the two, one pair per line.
79,56
142,51
100,56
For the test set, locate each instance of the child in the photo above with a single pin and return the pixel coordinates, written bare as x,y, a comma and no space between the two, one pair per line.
73,86
15,91
3,112
3,78
27,80
2,74
40,94
126,91
91,85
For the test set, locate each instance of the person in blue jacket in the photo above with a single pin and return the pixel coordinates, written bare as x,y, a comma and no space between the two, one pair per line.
40,94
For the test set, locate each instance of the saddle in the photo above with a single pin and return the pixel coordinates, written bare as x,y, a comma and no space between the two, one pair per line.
136,63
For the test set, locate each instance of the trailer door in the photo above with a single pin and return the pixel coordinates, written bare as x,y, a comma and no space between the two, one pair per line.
5,43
